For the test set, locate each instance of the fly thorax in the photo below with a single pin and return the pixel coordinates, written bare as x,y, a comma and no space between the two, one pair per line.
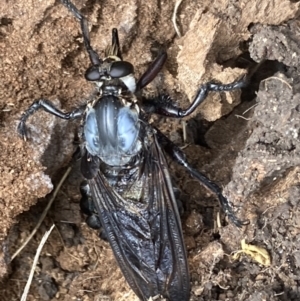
111,131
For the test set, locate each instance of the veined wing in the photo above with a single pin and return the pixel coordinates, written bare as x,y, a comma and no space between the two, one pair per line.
145,231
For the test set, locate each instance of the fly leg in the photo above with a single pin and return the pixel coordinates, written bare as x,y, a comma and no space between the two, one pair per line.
163,104
152,71
95,60
177,155
88,208
48,107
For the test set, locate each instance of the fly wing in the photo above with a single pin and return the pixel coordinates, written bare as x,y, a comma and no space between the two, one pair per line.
145,230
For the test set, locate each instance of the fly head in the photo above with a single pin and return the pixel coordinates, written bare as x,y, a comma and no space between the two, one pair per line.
112,67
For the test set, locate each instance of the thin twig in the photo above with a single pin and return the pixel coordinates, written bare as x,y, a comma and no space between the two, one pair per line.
275,77
185,146
178,2
219,225
43,214
183,123
250,108
35,261
240,116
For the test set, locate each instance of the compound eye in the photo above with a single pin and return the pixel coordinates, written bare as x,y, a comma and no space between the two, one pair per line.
92,73
120,69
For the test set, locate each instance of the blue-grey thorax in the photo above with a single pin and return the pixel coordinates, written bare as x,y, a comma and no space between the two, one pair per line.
111,130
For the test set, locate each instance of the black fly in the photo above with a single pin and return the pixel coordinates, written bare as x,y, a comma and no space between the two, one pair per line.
128,191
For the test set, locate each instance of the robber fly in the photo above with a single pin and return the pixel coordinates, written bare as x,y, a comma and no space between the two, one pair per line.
127,178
